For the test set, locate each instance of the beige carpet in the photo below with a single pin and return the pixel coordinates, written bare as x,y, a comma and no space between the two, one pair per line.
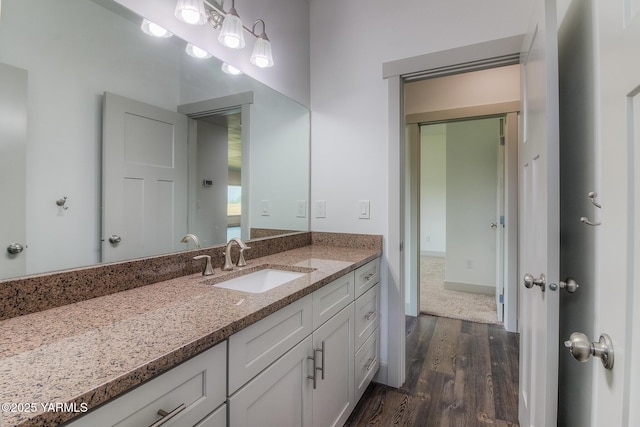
438,301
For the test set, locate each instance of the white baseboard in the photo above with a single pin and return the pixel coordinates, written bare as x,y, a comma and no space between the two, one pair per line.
470,287
382,376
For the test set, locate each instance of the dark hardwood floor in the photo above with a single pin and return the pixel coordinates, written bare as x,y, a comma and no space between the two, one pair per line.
458,374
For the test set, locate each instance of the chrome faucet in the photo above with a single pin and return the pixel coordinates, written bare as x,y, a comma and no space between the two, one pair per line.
228,264
193,237
208,268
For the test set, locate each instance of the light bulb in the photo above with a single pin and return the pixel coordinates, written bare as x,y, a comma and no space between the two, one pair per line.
190,16
230,69
232,42
154,29
197,52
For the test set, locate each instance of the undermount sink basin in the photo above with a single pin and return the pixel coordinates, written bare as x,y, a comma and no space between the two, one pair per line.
260,281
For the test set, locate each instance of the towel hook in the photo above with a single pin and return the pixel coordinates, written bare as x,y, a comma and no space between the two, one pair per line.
592,195
62,203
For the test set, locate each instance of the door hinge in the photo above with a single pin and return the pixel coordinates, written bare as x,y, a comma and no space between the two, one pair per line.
502,220
501,298
502,140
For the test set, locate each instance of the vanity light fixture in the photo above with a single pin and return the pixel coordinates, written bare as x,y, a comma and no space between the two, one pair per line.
232,34
154,29
261,55
230,25
196,52
230,69
191,11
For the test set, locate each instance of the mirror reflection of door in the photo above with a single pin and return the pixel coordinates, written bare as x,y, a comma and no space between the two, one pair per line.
145,178
13,146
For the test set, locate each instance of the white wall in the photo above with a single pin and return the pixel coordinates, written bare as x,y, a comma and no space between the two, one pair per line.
433,190
349,43
287,24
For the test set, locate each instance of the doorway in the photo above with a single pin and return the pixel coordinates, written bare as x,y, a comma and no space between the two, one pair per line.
461,212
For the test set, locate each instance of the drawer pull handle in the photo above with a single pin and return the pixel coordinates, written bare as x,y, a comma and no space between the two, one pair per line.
370,364
166,416
313,377
370,314
369,276
321,350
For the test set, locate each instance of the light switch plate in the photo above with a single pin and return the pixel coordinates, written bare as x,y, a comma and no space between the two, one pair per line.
265,207
321,209
364,209
301,208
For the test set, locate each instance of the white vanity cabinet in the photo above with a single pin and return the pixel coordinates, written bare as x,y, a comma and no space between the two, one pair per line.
192,393
286,393
367,325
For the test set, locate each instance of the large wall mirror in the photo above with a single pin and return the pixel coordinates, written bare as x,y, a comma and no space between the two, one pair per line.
63,65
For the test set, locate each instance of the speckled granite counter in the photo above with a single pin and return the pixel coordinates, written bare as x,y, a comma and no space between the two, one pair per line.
91,351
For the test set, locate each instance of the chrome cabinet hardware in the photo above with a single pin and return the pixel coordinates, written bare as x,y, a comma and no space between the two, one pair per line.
321,369
530,281
166,416
370,314
370,364
569,284
208,268
15,248
581,348
313,377
114,239
493,225
369,276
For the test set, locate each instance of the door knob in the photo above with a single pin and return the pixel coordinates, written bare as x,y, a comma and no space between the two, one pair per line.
493,225
530,280
114,239
581,348
15,248
569,284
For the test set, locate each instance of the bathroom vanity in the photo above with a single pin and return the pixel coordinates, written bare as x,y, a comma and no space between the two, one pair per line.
186,352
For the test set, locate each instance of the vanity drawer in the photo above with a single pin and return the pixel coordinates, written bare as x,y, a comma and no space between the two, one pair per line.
367,315
198,384
254,348
367,276
367,362
331,298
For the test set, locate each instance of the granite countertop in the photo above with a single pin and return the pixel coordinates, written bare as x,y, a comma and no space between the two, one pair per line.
86,353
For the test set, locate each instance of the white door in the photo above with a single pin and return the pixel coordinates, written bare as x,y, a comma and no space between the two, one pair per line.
144,179
539,219
498,225
617,391
13,175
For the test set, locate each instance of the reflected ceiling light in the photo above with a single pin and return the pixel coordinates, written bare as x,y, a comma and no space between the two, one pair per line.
191,11
154,29
196,52
261,55
231,33
230,69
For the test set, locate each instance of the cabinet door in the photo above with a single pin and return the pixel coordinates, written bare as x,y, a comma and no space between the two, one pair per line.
333,343
280,396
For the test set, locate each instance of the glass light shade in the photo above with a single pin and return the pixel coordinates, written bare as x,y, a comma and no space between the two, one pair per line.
231,33
191,11
230,69
196,52
261,55
154,30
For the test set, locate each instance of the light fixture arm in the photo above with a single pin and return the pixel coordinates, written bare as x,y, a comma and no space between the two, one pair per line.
217,14
264,29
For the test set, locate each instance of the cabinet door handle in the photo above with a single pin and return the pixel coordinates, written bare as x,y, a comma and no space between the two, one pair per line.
370,314
313,377
166,416
370,364
369,276
321,350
